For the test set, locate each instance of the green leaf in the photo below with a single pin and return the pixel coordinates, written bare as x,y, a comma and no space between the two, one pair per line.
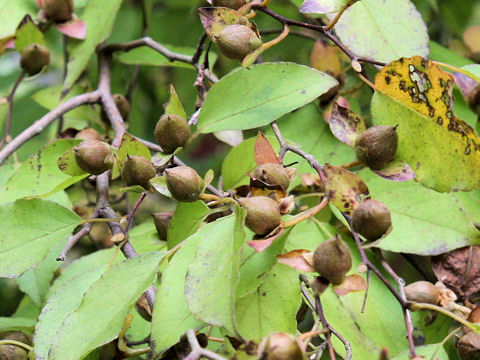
473,71
322,6
383,30
367,332
13,13
150,57
95,323
212,277
40,175
16,324
142,237
272,306
174,105
67,163
240,161
159,183
185,221
28,33
35,282
430,351
426,222
29,230
63,302
246,98
167,325
445,55
131,146
99,17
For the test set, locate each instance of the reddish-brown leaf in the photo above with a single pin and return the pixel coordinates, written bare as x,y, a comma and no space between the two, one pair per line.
296,259
264,152
73,28
351,283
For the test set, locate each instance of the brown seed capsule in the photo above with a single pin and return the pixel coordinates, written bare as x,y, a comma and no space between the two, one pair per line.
377,146
422,292
237,41
272,174
137,170
232,4
34,58
143,308
92,156
172,131
184,183
371,219
88,134
473,99
280,346
468,346
58,10
332,260
263,214
123,106
162,221
13,352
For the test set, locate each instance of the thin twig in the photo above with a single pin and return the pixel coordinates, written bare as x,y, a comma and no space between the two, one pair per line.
197,351
406,313
135,207
339,14
72,240
321,315
10,108
294,33
38,126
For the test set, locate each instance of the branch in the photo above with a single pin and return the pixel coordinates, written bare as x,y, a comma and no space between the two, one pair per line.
85,230
38,126
197,351
10,108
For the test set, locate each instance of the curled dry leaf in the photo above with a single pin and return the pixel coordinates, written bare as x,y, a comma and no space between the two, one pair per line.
345,124
351,283
264,152
74,28
298,259
397,170
344,189
459,271
261,244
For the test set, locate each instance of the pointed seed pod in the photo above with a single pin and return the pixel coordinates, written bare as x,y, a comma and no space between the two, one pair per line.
280,346
468,346
162,221
372,219
184,183
123,106
143,308
377,146
172,131
13,352
137,170
272,174
34,58
332,260
58,10
422,292
263,214
232,4
237,41
91,156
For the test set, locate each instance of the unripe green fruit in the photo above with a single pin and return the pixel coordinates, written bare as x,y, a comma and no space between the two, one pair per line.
377,146
272,174
422,292
184,183
263,214
280,346
233,4
237,41
33,58
122,104
371,219
91,156
137,170
58,10
172,131
162,221
468,346
332,260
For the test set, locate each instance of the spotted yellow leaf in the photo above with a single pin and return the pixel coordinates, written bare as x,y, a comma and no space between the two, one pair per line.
443,150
